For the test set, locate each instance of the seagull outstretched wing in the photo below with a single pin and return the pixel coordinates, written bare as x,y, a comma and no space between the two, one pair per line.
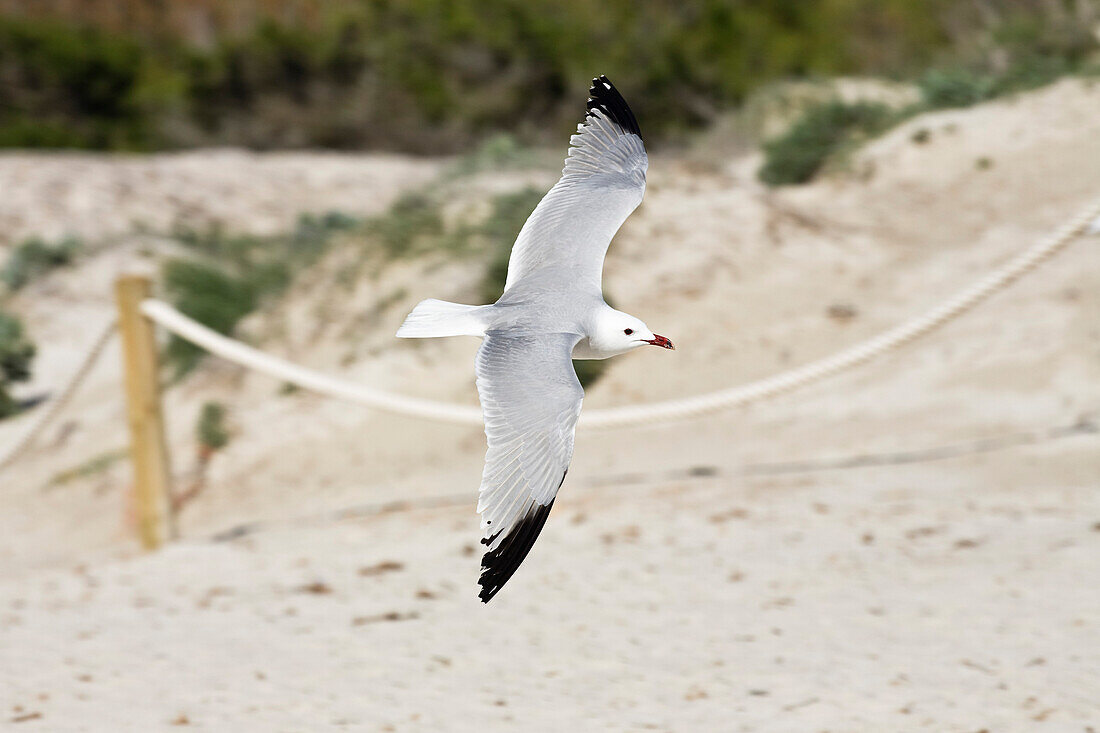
602,183
531,398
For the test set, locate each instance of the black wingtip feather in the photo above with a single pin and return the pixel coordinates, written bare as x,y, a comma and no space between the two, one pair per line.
605,97
498,565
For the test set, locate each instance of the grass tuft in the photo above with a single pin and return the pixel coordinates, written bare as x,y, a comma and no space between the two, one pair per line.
500,229
500,152
413,224
34,258
230,276
211,431
16,355
91,467
822,132
942,88
210,295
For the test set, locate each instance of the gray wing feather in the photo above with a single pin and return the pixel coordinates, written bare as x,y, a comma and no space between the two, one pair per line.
531,398
602,183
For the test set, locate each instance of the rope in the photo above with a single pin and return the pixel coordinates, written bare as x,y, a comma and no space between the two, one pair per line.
13,451
950,309
273,366
896,337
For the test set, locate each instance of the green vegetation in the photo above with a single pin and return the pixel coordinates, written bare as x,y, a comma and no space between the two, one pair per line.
499,152
230,276
212,297
1030,50
91,467
954,88
34,258
210,430
589,370
1027,49
412,225
77,87
797,155
436,75
16,355
509,212
963,87
29,260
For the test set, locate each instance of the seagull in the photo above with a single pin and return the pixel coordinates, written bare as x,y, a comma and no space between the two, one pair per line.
552,311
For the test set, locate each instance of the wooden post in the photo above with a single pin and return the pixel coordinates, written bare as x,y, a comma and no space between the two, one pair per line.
148,449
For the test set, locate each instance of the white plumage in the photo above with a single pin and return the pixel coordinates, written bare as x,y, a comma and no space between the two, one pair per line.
552,310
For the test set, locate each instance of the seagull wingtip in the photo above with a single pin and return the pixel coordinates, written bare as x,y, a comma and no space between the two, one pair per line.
500,564
603,95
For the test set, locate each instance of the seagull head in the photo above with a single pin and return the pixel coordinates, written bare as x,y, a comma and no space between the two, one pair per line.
620,332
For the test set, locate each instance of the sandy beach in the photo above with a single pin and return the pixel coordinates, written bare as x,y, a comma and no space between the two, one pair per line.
910,545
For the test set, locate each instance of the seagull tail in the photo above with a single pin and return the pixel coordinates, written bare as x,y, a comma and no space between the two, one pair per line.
431,318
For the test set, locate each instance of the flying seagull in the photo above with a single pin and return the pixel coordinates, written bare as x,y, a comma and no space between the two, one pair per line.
552,310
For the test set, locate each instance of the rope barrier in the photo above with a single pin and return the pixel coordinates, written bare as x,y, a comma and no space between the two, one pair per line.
168,317
238,353
53,408
896,337
948,310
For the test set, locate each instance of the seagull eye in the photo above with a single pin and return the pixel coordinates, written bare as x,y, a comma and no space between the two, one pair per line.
628,331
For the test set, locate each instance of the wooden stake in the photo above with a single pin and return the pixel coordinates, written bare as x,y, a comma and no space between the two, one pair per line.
148,449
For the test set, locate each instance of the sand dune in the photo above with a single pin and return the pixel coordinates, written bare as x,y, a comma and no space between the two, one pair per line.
912,545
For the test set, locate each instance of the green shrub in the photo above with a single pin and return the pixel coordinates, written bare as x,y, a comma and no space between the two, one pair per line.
28,133
1026,50
212,297
499,231
69,85
954,88
210,430
960,87
498,152
234,273
496,274
822,132
590,370
413,224
34,258
1032,72
433,76
1041,46
16,354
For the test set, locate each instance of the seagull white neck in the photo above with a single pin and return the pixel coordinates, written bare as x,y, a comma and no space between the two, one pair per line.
605,336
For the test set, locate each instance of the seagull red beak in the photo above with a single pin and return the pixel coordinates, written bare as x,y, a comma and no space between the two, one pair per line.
661,341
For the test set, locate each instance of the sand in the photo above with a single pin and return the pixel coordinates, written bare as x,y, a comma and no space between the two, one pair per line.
911,545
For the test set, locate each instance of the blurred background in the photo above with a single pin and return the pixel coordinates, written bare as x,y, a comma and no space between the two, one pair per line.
911,544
